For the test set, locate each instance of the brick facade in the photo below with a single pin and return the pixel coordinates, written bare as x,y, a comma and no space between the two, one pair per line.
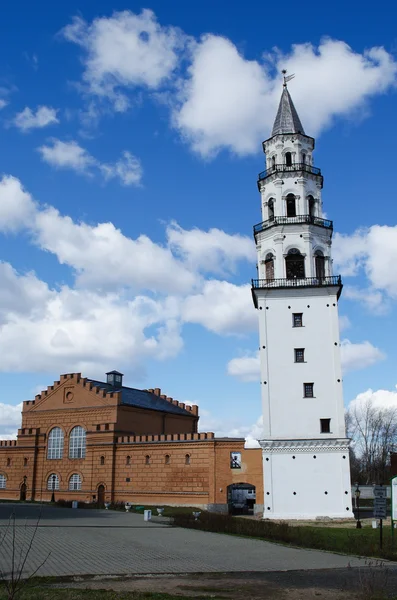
135,454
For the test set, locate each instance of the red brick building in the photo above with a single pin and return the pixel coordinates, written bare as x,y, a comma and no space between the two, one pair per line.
88,440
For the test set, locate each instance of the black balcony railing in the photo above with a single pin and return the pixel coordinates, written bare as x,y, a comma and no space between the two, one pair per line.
287,168
258,284
299,219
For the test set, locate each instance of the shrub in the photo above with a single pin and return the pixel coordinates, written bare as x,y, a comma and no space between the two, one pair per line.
363,542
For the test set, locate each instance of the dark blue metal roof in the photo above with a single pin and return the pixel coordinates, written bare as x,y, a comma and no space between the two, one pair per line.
142,399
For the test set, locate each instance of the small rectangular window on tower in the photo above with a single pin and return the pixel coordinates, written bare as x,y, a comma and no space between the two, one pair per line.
299,354
297,320
308,391
325,425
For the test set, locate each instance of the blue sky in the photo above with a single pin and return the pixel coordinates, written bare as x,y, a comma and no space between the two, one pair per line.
130,145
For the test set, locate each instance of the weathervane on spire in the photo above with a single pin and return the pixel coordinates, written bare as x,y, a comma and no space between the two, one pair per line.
287,78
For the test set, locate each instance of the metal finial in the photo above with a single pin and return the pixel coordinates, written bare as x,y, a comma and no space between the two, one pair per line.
286,77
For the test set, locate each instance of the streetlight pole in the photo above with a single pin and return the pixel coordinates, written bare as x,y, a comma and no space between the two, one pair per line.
357,495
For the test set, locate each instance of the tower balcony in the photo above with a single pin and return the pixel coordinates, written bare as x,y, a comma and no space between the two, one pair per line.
298,220
304,282
282,168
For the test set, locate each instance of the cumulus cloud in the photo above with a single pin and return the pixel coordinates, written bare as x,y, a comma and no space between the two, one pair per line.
67,155
79,330
123,51
134,309
230,102
10,420
225,428
359,356
221,307
372,252
17,209
383,399
219,98
213,251
127,169
70,155
28,119
245,368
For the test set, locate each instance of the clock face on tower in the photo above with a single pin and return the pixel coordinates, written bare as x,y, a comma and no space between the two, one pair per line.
295,266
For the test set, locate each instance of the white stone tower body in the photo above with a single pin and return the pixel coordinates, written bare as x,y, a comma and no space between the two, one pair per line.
305,450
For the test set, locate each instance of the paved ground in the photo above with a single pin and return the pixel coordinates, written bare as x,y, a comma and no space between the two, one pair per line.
81,542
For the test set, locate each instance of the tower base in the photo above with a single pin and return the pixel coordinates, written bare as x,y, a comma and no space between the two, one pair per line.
306,479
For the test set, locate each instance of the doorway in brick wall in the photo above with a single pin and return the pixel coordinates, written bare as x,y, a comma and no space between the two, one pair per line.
241,498
22,492
101,494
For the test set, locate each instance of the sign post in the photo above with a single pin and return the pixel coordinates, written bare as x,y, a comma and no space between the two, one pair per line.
380,494
393,482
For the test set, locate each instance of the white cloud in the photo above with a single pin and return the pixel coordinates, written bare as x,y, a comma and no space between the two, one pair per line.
373,252
127,169
359,356
67,155
28,119
104,258
10,420
70,155
16,205
245,368
222,307
378,399
3,103
125,50
78,330
220,99
213,251
230,102
224,428
223,99
344,322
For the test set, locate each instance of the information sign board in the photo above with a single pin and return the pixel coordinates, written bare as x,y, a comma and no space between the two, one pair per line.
380,491
380,507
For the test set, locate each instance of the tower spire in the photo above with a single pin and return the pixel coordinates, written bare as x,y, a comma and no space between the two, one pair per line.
287,119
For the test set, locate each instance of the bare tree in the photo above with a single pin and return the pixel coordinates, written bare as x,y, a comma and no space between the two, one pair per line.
373,431
17,552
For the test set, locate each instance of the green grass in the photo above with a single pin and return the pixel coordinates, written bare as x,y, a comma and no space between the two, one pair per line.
46,593
359,542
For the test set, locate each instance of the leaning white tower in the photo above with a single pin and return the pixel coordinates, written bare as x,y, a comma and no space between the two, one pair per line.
305,451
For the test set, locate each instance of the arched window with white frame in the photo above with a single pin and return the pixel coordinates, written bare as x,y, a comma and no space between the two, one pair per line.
311,205
77,442
3,482
55,444
291,205
270,209
269,267
53,482
75,482
319,260
288,159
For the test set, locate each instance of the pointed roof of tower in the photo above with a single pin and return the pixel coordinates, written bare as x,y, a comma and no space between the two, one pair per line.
287,119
